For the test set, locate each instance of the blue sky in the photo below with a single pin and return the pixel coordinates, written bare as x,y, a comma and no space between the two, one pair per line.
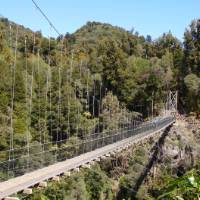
146,16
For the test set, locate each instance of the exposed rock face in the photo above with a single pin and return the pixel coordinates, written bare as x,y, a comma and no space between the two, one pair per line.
181,148
163,156
179,153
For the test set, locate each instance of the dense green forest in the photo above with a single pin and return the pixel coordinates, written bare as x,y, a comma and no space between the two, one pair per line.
59,82
96,79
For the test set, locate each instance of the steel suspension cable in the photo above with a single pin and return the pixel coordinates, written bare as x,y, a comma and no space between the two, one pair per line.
46,104
60,90
32,74
50,85
70,93
11,152
27,105
88,97
45,16
39,94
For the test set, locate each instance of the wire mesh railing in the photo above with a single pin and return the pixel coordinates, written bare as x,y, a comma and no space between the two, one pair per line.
42,155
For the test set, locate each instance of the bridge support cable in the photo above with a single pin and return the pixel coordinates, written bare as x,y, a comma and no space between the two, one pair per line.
100,104
11,88
27,104
10,36
68,105
93,110
50,85
93,99
39,98
13,79
46,18
70,92
88,97
31,101
58,124
76,118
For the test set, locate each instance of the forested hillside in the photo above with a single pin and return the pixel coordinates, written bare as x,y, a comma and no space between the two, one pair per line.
99,78
51,89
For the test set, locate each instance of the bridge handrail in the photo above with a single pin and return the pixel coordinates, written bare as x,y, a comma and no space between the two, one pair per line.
65,152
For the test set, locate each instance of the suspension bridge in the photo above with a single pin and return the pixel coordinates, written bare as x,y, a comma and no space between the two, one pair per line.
51,154
56,141
99,147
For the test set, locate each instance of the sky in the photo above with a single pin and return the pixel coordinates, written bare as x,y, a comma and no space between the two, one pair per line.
148,17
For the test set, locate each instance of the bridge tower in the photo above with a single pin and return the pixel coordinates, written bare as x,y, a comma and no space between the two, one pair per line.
171,104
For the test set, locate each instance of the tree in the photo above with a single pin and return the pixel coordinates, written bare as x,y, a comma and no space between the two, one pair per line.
192,47
112,60
192,83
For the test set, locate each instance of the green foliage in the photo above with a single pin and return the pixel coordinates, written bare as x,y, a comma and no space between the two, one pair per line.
192,47
98,185
137,161
192,83
185,187
86,185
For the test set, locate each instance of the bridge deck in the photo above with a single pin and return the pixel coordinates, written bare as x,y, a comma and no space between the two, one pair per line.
30,179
